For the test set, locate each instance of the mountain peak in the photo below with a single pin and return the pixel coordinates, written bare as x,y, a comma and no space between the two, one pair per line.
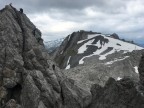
82,45
115,36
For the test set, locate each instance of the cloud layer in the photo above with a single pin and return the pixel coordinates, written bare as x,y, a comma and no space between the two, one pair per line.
58,18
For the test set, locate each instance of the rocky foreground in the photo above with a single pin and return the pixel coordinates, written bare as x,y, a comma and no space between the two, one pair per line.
30,79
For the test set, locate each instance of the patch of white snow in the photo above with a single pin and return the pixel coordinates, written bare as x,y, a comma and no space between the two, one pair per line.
111,62
68,65
126,47
83,48
119,78
136,69
89,37
69,37
61,52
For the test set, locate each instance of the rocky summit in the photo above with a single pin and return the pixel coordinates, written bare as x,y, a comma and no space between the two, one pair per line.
29,78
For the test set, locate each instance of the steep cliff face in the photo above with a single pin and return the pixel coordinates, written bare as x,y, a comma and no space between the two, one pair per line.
141,70
28,77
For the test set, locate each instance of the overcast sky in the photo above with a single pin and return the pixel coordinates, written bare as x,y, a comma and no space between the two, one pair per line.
58,18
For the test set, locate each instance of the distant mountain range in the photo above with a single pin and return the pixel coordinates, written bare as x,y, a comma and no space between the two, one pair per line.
53,44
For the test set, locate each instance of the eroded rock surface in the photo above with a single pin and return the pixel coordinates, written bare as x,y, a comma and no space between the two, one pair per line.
117,94
28,77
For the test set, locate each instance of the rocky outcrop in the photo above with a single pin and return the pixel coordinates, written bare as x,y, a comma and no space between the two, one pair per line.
115,36
28,77
141,70
125,93
117,94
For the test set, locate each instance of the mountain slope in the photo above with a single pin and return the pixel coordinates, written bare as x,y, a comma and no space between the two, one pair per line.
90,57
83,45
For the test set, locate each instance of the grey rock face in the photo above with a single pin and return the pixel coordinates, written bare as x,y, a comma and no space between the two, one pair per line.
141,70
125,93
117,94
28,77
99,72
114,35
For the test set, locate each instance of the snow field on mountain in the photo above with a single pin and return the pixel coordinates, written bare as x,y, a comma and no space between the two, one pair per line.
116,44
136,69
83,48
68,64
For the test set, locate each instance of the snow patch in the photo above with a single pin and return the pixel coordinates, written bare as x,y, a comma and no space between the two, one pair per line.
89,37
83,48
115,60
68,65
124,46
61,52
136,69
119,78
69,37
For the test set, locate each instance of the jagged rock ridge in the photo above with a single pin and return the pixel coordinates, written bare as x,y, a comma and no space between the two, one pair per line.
28,77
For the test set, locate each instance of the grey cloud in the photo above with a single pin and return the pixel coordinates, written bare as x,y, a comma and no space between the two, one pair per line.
113,15
44,5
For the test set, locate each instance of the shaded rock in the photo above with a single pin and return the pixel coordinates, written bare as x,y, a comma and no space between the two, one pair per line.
9,82
74,96
12,104
7,73
115,36
141,70
117,94
3,93
27,76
